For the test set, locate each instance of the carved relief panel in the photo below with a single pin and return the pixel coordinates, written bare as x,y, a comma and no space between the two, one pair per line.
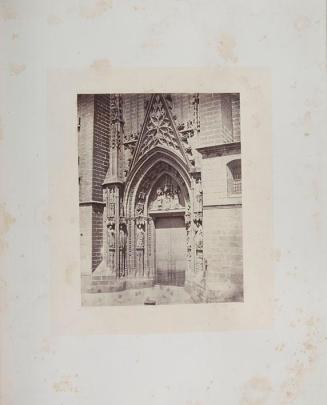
166,195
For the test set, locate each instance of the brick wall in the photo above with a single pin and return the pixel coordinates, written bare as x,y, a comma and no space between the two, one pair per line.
134,112
100,143
226,135
94,120
85,111
219,119
236,116
97,235
183,108
210,119
101,134
85,224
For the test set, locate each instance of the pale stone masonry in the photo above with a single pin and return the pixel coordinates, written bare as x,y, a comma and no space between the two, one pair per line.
160,193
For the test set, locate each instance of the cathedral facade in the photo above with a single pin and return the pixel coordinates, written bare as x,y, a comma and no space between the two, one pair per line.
160,194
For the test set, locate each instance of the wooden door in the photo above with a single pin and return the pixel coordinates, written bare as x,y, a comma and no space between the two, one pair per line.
170,251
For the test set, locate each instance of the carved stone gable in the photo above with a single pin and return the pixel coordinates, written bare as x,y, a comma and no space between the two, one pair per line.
159,130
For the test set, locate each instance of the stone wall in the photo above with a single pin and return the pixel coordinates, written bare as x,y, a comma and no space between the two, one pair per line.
223,251
214,180
222,223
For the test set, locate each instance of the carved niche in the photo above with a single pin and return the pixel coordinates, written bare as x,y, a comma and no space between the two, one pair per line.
111,244
111,202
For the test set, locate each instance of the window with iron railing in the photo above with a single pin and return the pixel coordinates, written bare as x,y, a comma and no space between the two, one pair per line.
234,177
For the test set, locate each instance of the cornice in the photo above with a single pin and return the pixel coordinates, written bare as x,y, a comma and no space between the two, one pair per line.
220,150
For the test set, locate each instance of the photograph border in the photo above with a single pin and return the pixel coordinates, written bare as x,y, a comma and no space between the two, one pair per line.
67,314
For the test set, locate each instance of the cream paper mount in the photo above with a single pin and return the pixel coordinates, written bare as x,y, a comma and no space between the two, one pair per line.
68,316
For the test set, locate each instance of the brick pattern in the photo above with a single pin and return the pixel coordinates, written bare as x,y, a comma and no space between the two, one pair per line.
183,108
219,119
100,143
85,111
133,112
226,135
236,117
210,119
85,224
97,235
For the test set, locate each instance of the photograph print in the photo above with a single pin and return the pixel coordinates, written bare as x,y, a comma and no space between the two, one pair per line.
160,198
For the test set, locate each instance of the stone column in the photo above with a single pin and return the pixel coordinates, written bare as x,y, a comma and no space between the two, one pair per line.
113,185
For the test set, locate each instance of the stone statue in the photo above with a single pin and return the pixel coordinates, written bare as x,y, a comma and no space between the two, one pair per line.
199,237
111,203
157,205
176,203
122,237
139,208
122,250
166,198
139,237
198,195
111,237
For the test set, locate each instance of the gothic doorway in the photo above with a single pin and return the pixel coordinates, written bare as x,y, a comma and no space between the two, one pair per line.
170,250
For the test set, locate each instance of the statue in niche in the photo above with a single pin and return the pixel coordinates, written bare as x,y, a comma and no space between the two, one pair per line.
111,203
122,249
198,195
121,209
199,237
188,239
122,237
166,198
111,237
187,215
140,236
142,195
139,209
175,202
159,200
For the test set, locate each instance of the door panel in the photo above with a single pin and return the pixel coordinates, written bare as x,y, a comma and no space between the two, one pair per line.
170,251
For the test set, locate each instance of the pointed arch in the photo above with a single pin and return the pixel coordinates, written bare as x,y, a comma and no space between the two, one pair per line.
139,186
147,164
159,130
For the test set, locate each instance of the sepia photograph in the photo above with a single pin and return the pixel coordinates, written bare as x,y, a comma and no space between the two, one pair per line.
160,197
163,214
